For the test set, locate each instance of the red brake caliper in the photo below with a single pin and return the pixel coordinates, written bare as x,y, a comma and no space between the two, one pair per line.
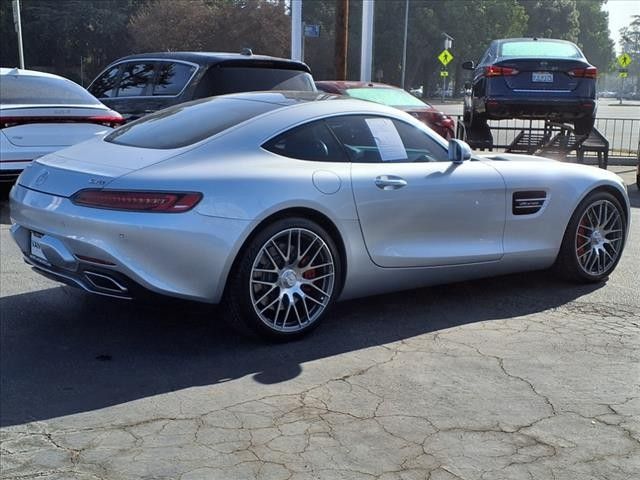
582,230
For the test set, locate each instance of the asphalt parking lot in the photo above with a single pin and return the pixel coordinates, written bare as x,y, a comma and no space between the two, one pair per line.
518,377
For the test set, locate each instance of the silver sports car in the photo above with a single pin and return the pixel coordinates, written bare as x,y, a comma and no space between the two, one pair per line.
277,204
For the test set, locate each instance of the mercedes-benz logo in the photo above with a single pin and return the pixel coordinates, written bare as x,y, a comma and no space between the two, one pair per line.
42,178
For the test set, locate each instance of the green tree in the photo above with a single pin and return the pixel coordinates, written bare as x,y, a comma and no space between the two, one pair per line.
630,43
57,34
163,25
594,38
552,19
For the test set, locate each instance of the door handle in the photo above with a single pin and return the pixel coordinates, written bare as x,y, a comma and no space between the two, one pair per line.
390,182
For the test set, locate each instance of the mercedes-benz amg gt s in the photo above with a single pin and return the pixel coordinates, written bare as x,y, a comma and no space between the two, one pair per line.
277,204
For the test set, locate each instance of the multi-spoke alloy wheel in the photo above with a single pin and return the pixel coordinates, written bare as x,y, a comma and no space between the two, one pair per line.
292,279
285,279
599,237
594,239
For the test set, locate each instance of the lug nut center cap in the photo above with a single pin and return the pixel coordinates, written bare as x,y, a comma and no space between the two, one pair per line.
288,278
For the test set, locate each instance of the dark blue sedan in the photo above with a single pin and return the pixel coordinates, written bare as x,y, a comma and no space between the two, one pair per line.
532,78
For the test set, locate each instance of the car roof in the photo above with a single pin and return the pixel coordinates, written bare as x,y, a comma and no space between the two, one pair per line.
27,73
346,84
214,58
531,39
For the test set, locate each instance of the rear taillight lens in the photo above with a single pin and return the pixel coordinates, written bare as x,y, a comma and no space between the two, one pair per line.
495,71
110,120
589,72
113,120
159,202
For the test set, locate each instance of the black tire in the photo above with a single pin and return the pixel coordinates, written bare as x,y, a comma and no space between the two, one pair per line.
240,291
568,264
583,126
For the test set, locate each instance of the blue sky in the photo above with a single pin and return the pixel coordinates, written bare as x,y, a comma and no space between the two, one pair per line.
620,13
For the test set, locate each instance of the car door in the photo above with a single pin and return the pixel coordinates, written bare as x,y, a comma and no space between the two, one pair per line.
416,208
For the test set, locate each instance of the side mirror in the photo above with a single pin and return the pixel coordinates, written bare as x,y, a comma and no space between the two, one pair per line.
468,66
459,151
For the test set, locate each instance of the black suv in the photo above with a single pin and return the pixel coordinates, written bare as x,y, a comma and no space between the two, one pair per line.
140,84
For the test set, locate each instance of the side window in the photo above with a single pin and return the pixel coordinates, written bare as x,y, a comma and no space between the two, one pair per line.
354,134
379,139
134,79
420,147
312,141
172,78
105,85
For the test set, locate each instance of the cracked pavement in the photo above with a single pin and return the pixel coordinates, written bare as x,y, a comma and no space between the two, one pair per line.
518,377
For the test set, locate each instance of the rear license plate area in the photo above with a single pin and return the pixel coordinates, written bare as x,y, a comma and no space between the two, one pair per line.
35,249
542,77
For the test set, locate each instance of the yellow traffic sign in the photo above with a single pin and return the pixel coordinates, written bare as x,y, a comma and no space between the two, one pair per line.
624,59
444,73
445,57
623,74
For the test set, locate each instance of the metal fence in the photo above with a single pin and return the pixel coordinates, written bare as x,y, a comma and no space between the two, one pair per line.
623,134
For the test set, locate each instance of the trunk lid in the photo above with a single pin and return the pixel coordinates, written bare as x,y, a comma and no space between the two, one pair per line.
26,126
544,75
92,164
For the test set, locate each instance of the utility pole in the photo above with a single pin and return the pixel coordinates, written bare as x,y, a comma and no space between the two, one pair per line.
18,26
404,47
366,49
342,38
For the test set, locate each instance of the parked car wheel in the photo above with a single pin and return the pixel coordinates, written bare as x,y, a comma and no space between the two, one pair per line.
286,279
594,238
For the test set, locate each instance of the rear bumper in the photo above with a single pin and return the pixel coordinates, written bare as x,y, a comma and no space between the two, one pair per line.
539,108
125,254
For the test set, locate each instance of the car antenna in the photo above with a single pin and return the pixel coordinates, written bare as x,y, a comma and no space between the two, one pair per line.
246,51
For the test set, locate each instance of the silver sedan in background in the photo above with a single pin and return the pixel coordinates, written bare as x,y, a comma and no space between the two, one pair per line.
276,204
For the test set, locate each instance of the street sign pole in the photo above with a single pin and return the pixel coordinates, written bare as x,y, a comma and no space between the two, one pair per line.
18,25
445,57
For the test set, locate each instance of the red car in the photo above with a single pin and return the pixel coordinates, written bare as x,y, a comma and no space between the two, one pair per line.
394,97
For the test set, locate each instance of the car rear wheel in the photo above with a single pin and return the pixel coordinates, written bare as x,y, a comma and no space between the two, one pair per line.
287,278
594,239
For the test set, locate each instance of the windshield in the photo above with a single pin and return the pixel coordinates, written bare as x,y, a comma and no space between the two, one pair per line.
187,123
538,49
29,90
393,97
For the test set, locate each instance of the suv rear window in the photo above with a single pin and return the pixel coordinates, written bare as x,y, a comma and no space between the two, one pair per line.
538,48
28,90
172,78
222,80
187,123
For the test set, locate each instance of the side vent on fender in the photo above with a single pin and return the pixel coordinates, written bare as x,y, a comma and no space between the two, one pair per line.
527,203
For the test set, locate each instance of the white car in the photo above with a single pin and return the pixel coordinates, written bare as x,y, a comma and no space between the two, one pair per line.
41,113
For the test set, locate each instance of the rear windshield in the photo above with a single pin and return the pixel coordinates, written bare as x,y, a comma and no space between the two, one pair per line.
222,80
187,123
386,96
29,90
537,49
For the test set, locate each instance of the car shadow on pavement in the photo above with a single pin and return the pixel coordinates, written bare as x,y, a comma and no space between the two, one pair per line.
64,352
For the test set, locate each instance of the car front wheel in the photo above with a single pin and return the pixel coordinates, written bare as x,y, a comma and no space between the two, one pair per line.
594,239
287,278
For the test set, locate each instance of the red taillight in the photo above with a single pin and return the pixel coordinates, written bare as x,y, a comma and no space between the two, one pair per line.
495,71
163,202
110,120
589,72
